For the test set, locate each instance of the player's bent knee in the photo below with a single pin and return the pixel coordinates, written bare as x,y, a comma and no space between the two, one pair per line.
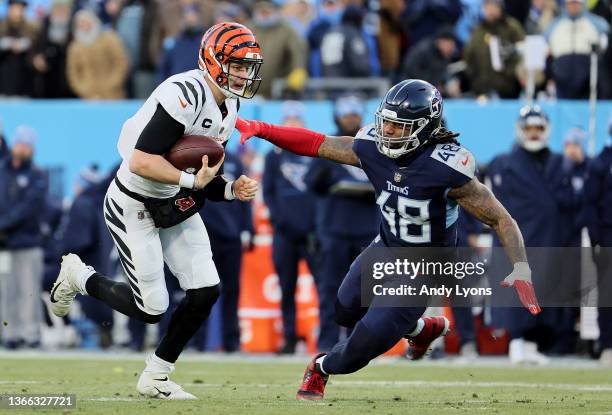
156,302
200,300
347,317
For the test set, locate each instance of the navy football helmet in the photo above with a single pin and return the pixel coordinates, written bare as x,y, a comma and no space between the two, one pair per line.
416,108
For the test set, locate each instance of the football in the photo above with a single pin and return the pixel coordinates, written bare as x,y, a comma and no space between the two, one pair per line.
186,154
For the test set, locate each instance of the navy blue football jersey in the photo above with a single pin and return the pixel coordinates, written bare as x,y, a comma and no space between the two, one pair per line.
411,191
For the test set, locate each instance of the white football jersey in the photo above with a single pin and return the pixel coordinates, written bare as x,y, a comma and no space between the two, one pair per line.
189,100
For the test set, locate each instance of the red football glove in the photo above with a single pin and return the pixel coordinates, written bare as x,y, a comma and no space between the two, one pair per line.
520,279
247,129
297,140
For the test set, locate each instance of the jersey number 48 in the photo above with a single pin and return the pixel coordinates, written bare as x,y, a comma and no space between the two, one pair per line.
399,219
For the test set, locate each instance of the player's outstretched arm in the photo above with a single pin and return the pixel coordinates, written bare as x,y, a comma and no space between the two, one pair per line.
478,200
300,141
339,149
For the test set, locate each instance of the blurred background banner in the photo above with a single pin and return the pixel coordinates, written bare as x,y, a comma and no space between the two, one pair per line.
77,133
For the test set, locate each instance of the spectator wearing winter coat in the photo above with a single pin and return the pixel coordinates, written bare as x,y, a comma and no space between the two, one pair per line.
570,39
97,63
16,36
491,54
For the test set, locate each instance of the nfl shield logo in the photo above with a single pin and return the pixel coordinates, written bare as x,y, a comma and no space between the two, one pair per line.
397,177
140,215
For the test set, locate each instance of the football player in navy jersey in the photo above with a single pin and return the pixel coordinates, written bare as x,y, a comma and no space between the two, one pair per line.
421,176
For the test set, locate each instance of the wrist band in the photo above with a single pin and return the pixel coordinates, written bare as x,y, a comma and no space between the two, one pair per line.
229,191
187,180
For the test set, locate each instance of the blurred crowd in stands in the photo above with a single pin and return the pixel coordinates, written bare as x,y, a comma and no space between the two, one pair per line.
112,49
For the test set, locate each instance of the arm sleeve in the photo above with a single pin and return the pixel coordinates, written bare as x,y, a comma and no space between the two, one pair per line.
215,190
160,133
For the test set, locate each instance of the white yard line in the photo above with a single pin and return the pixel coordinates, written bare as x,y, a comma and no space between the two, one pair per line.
113,399
424,384
453,384
193,357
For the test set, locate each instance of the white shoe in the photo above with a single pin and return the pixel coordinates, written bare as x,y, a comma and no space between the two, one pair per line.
516,351
606,357
468,351
533,356
522,352
159,385
68,284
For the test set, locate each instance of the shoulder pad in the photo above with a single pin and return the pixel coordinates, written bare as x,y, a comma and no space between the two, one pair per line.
456,157
182,96
366,133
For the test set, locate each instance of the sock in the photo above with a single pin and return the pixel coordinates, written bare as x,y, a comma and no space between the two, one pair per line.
417,330
83,280
190,314
156,364
319,362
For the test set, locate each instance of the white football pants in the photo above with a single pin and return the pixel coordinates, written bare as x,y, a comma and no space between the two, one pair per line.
143,248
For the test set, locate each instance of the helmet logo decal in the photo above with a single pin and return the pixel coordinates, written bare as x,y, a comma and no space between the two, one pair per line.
436,107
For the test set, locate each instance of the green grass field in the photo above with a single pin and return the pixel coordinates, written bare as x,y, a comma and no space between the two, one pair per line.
267,386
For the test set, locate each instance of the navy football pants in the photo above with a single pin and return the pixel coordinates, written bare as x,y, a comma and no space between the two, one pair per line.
376,329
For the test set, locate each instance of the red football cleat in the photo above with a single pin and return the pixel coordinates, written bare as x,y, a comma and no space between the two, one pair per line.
313,384
434,327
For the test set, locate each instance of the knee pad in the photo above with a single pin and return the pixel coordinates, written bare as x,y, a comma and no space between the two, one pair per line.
201,300
155,301
347,317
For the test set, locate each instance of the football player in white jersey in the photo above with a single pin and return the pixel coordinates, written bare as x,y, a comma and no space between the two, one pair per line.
150,206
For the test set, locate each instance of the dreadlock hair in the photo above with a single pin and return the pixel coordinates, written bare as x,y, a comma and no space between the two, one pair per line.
443,136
